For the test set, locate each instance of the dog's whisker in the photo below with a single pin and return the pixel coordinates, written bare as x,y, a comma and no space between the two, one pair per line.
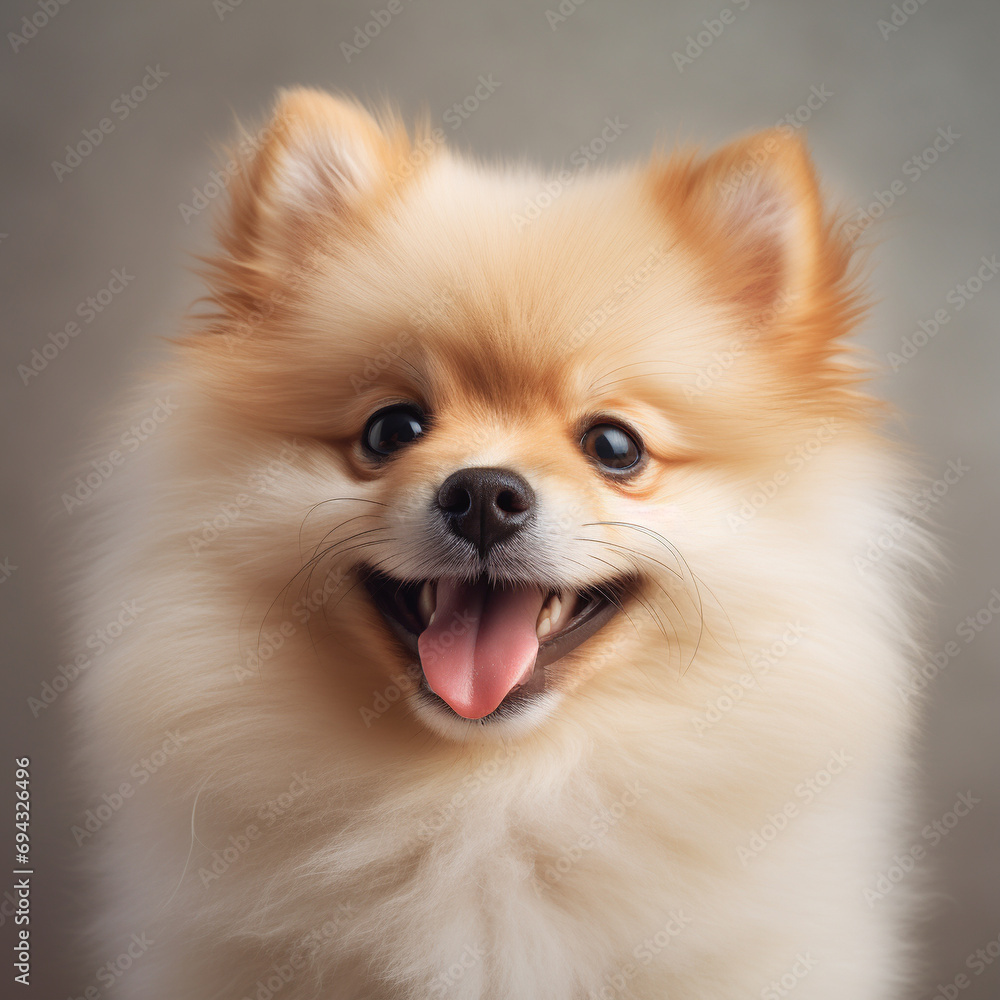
598,383
698,584
635,596
322,541
356,517
327,609
647,605
629,378
332,552
376,347
311,565
678,555
638,559
607,596
321,503
308,567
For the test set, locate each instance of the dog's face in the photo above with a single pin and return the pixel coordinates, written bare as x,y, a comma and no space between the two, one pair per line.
525,415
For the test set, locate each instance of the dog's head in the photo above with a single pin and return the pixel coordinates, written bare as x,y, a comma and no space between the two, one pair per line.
525,407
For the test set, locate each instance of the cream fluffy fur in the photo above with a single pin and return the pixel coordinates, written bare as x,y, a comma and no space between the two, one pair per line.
697,807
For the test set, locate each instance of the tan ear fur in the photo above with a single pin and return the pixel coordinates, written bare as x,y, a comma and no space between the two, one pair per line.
313,174
754,214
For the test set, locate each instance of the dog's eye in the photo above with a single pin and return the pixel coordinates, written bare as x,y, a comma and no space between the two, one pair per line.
613,448
392,428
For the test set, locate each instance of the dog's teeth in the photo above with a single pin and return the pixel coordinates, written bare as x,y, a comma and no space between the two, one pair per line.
555,610
427,602
568,607
549,616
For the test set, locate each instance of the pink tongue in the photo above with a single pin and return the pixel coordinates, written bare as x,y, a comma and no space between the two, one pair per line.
480,645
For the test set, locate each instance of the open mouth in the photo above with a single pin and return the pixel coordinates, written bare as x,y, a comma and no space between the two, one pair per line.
484,646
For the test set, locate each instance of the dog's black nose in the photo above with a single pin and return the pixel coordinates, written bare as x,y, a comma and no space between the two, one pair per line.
485,505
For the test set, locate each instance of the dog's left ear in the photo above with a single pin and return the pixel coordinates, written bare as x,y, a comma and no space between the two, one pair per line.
753,213
317,162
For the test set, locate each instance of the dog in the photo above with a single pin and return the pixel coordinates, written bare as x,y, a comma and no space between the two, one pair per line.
501,622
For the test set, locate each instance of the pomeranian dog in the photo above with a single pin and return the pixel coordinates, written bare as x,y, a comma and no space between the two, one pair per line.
501,622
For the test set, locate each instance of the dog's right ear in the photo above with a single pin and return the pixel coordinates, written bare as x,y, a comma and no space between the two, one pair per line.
304,183
301,189
313,167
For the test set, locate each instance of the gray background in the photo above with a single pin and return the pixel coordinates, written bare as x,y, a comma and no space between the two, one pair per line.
120,209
